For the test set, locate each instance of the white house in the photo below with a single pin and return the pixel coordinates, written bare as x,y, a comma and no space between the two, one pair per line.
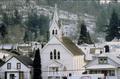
16,67
105,63
60,57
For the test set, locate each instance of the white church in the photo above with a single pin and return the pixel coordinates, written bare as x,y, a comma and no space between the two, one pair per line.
60,57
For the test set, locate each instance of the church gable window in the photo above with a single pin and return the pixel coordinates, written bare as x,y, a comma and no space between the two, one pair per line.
54,53
53,32
51,55
58,55
56,32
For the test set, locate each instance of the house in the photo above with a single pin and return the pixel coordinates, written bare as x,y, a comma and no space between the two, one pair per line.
4,53
16,67
60,57
105,63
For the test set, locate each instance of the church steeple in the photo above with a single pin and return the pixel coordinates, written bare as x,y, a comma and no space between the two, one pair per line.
55,24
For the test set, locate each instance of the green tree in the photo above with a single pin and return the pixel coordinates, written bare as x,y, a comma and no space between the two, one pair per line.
32,23
37,66
43,23
112,30
84,35
3,30
101,21
38,25
26,37
17,18
5,18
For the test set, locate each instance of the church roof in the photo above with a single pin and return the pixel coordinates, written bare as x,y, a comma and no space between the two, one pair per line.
71,46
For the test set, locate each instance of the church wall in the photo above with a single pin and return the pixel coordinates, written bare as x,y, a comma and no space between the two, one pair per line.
66,58
79,64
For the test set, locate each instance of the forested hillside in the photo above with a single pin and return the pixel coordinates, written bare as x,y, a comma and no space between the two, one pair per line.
27,20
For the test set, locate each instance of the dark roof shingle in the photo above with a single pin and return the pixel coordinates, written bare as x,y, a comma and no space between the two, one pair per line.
71,46
25,60
1,62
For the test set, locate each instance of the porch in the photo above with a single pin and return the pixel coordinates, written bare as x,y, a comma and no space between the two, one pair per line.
57,75
14,75
109,71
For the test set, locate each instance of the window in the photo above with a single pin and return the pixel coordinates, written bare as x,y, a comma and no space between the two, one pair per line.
111,73
51,55
18,66
54,69
54,53
102,60
12,76
107,48
8,65
53,32
56,32
93,71
100,52
58,55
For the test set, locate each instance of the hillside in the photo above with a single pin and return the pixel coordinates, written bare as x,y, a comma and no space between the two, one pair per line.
94,14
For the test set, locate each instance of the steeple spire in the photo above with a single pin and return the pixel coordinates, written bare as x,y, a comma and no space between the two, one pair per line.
55,16
54,29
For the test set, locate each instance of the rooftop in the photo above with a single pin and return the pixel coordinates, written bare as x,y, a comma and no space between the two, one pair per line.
71,46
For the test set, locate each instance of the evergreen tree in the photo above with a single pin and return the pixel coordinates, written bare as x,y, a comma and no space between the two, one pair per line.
26,37
17,18
84,35
37,66
38,25
112,30
3,30
5,18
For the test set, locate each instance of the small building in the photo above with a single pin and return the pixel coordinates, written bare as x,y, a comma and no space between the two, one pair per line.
16,67
105,63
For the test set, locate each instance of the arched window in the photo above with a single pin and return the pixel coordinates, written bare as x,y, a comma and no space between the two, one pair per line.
51,55
58,55
53,32
54,53
56,32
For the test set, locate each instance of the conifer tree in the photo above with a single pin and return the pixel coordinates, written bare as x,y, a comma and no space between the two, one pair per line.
17,18
112,30
37,65
26,37
3,30
5,18
84,35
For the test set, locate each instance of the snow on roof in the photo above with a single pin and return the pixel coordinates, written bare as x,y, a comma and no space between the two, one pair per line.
86,50
114,56
105,66
6,46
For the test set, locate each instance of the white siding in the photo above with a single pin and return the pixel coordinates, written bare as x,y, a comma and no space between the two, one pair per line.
95,62
79,64
66,59
14,62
